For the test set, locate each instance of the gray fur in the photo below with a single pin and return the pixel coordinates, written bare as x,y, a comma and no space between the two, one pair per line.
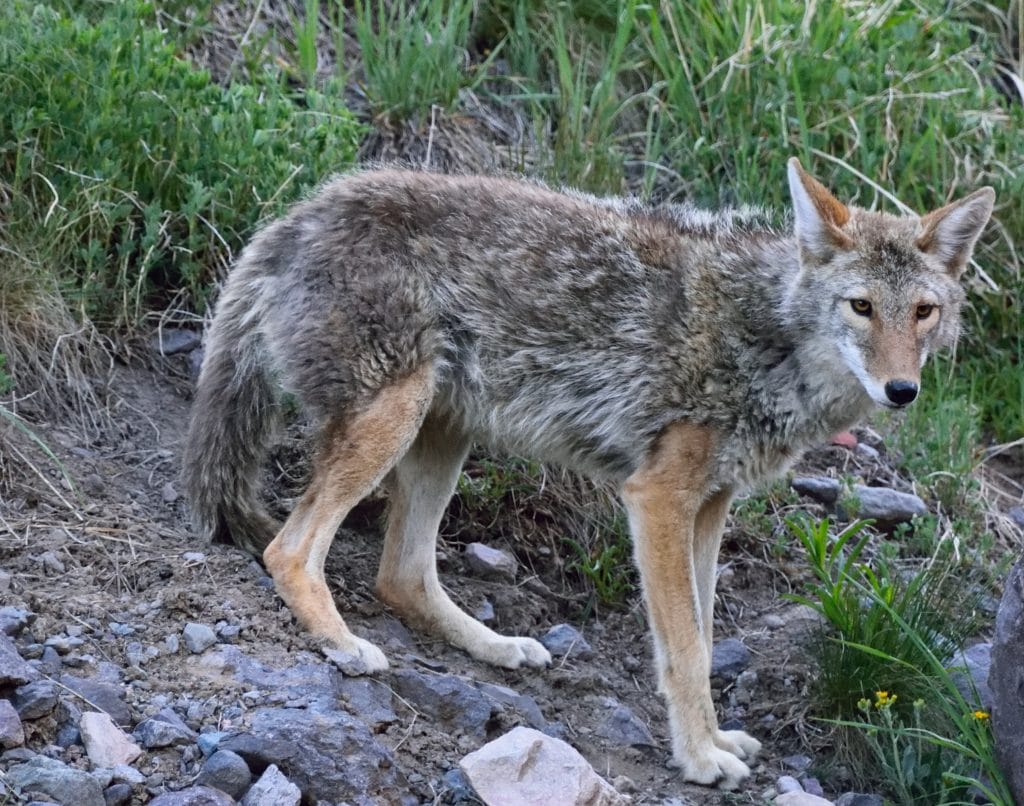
562,327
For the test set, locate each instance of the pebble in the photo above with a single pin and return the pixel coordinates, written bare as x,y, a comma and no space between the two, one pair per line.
798,763
370,700
105,743
787,783
101,694
193,796
124,774
121,630
813,786
774,622
174,340
868,452
208,741
566,640
822,489
490,562
12,734
450,700
887,506
272,789
457,788
801,799
5,581
118,795
14,620
63,644
485,612
194,557
165,729
729,657
52,563
226,771
169,494
527,767
14,670
624,729
859,799
348,664
1017,516
198,637
35,700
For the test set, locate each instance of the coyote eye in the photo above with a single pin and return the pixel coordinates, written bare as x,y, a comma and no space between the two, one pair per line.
924,311
861,307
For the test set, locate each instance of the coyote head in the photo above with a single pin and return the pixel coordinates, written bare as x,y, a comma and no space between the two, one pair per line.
880,291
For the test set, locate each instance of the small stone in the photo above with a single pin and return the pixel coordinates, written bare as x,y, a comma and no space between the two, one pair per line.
774,622
169,494
14,670
12,734
448,699
227,772
348,664
370,700
93,485
35,700
798,763
272,789
1017,516
208,741
14,620
105,743
524,704
887,506
858,799
124,774
118,795
174,340
530,768
729,657
566,640
63,644
485,612
813,786
198,637
56,780
631,663
5,581
822,489
171,644
490,562
623,728
194,557
229,632
787,783
868,452
456,787
801,799
165,729
121,630
100,694
51,563
193,796
624,784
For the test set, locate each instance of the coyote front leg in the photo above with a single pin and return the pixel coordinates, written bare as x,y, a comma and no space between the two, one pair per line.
664,499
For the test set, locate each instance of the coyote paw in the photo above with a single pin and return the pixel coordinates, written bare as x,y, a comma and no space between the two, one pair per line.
361,654
740,744
713,766
512,653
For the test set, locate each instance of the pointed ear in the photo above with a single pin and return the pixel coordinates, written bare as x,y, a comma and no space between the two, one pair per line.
950,232
818,215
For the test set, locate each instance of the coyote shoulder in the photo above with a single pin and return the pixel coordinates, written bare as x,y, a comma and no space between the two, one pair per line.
682,354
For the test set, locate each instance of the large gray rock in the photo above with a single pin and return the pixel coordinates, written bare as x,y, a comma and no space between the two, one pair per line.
329,755
370,700
887,506
272,789
54,778
35,700
729,657
14,669
1006,682
105,743
530,768
13,620
163,729
96,693
447,699
820,488
973,686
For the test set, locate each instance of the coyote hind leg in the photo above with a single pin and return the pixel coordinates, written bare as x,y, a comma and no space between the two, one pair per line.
358,451
419,487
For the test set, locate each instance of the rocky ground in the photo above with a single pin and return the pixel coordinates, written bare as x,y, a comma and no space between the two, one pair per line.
139,665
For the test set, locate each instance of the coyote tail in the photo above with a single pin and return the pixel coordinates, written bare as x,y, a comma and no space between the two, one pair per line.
233,416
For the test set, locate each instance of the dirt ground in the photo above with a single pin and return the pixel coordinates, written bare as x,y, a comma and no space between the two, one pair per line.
125,553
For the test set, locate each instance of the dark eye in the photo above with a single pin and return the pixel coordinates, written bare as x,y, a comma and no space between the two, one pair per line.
924,311
861,307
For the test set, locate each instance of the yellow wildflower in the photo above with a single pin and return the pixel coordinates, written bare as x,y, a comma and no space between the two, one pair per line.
981,716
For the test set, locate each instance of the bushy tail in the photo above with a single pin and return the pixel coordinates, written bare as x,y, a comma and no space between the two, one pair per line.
233,417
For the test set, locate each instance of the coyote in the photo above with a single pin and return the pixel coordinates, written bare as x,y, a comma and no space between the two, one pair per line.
683,354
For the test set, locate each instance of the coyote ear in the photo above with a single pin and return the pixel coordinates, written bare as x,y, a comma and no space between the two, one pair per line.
818,215
950,232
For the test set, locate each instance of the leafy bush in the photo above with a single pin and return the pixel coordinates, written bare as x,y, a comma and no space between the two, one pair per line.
137,172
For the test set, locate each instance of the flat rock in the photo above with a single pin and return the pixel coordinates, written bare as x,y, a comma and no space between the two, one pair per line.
57,780
174,340
14,669
35,700
529,768
194,796
447,699
522,703
329,755
801,798
102,695
371,701
490,562
226,771
12,734
14,620
272,789
887,506
198,637
1006,682
729,657
565,640
164,729
822,489
105,743
624,728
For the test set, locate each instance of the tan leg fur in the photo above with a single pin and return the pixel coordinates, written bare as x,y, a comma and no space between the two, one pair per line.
676,532
358,451
419,487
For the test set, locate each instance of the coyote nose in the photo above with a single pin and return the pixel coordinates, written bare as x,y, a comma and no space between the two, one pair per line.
901,392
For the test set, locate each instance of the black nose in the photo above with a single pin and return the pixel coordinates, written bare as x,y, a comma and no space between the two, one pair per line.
901,392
